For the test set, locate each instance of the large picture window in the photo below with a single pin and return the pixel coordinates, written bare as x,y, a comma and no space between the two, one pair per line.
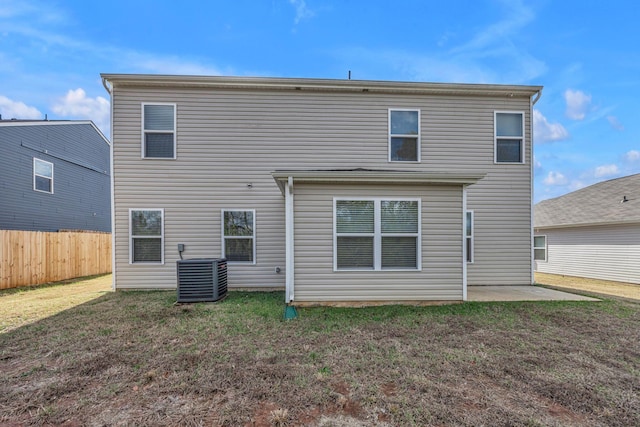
42,176
509,137
238,235
377,234
146,230
404,135
159,131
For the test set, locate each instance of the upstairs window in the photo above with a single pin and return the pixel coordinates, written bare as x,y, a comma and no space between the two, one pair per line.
377,234
146,235
42,176
509,137
404,135
159,131
540,248
238,236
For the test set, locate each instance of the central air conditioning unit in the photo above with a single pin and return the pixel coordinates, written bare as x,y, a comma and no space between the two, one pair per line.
202,279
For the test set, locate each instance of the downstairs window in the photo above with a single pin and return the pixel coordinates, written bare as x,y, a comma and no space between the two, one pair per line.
146,235
540,248
377,234
239,235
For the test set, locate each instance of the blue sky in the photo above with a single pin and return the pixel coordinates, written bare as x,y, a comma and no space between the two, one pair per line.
585,54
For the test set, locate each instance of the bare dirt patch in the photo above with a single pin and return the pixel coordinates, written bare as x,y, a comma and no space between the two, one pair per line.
135,358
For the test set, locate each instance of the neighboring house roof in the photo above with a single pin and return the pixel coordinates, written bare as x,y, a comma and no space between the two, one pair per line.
615,201
23,122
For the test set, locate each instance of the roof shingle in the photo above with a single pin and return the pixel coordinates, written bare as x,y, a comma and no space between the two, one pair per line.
600,203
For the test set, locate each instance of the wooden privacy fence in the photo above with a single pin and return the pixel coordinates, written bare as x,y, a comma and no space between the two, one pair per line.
35,257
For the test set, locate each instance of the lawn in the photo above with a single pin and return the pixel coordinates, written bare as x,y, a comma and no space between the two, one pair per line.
136,358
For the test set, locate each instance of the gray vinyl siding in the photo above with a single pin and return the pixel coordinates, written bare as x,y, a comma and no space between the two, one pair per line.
608,252
81,179
439,279
227,139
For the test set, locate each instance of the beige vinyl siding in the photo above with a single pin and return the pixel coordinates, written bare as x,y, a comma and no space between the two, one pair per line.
227,139
441,275
502,228
608,252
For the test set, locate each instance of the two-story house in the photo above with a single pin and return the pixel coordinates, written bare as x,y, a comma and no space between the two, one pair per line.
335,190
54,175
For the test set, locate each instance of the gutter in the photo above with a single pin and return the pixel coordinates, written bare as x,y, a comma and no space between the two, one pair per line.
537,98
532,102
587,224
325,85
106,86
374,177
109,89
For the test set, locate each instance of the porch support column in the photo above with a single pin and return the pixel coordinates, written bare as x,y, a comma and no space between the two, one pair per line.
464,243
288,194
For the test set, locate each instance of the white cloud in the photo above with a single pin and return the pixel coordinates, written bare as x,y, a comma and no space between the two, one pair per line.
545,131
492,54
578,104
555,178
518,16
497,43
632,156
615,123
77,105
169,65
606,170
302,11
41,12
41,26
10,109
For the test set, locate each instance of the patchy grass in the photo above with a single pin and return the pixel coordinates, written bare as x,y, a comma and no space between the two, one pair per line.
20,306
135,358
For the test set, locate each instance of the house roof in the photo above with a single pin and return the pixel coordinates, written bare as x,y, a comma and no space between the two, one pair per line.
616,201
375,176
325,85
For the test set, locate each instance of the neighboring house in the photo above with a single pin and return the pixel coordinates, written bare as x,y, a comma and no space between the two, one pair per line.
335,190
54,175
593,232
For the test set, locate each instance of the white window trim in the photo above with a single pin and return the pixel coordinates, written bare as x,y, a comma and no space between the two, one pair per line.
523,150
224,237
546,256
377,234
144,131
35,160
469,258
418,136
131,237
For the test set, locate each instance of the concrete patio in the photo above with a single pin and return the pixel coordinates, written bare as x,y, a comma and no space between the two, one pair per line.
521,293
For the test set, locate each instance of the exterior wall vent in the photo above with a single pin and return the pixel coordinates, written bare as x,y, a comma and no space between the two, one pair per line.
202,279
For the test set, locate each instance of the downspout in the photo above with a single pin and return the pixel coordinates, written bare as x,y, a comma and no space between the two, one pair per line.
532,102
109,89
289,270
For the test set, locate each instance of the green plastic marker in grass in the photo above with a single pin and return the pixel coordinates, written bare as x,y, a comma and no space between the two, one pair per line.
290,312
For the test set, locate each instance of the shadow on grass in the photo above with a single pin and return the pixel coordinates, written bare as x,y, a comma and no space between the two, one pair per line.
49,285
